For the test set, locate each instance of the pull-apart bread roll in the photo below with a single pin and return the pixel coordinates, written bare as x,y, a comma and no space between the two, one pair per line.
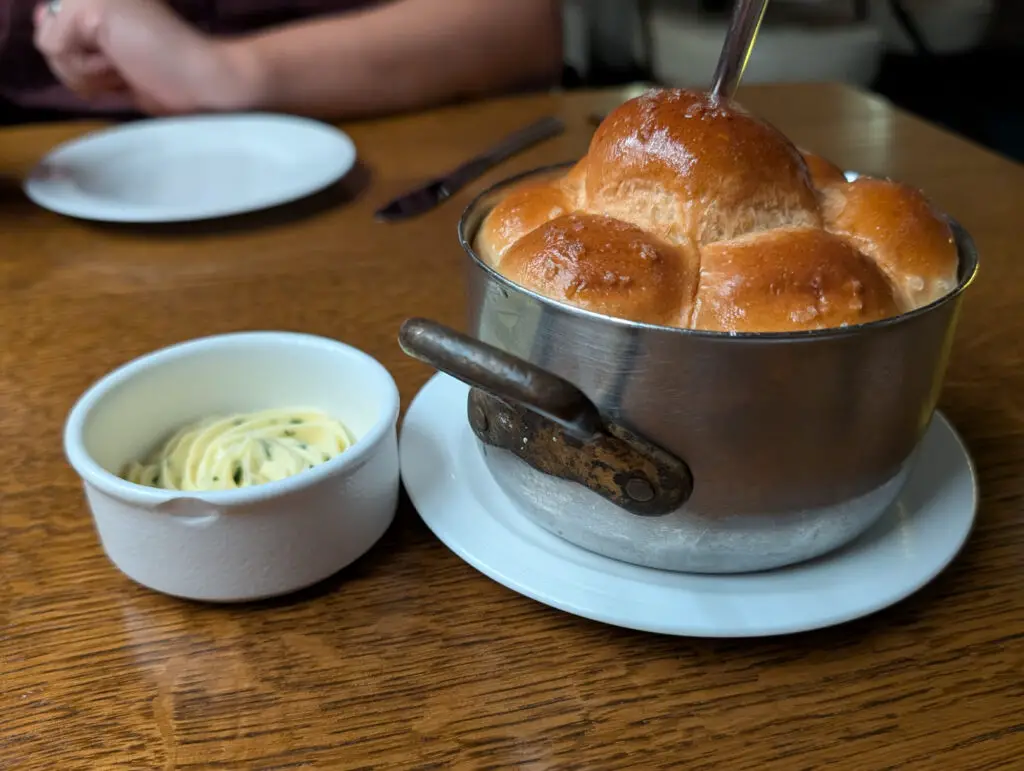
788,279
607,266
897,227
693,213
526,207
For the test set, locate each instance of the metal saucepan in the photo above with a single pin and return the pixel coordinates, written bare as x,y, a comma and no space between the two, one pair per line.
689,450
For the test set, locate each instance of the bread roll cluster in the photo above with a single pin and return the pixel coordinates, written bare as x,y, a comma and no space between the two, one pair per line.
692,213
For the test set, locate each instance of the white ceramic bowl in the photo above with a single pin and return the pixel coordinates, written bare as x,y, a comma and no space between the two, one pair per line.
261,541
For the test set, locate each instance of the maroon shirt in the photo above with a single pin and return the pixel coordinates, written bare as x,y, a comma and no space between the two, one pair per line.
26,83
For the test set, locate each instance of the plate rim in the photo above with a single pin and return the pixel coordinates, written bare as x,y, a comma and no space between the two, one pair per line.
479,563
34,188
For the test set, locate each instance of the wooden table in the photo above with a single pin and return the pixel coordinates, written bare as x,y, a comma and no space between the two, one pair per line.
411,659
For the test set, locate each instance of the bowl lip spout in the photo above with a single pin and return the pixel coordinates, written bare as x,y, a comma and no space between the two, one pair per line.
474,213
96,476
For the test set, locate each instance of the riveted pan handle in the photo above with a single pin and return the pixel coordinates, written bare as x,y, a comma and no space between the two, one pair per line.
550,424
490,369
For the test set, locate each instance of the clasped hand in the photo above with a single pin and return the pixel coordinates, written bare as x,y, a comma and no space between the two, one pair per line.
139,54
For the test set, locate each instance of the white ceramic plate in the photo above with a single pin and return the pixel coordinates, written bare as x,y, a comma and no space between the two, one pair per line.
190,168
449,484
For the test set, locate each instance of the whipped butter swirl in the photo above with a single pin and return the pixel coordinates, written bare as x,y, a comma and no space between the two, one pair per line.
227,453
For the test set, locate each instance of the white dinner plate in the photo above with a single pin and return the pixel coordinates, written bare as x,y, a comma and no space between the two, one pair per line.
190,168
453,491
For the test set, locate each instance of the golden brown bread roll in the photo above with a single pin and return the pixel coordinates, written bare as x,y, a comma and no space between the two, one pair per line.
693,213
687,168
607,266
788,279
524,209
897,227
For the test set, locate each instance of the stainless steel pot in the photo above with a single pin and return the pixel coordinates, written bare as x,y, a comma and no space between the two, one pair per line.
689,450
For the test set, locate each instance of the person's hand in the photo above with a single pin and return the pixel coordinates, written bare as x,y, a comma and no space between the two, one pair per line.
142,51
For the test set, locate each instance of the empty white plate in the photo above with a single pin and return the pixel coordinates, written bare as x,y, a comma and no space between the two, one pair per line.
190,168
452,489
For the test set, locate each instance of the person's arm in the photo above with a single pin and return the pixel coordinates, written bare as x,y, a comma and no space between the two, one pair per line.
400,55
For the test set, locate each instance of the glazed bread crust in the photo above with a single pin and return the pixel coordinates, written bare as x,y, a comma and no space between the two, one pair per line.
693,213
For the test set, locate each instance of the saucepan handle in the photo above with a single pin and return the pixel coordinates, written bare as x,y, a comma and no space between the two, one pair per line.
550,424
490,369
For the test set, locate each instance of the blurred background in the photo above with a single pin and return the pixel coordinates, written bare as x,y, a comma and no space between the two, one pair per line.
949,61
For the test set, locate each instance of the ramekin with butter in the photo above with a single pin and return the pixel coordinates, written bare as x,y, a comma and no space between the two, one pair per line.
207,481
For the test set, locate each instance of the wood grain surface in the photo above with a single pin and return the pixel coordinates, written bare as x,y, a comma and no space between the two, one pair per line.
410,658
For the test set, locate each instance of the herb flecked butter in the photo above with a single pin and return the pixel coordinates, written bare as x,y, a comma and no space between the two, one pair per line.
227,453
